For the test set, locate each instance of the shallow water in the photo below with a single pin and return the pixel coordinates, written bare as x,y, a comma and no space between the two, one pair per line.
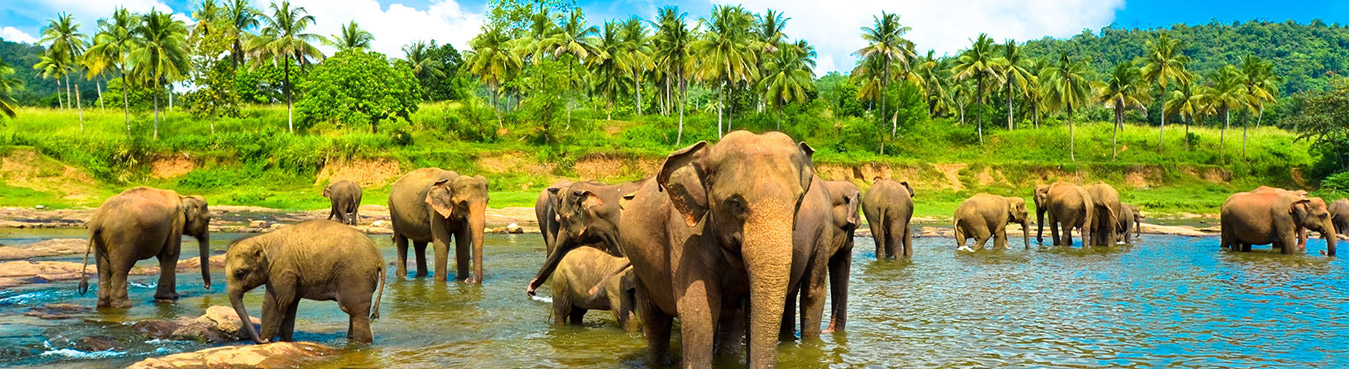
1167,301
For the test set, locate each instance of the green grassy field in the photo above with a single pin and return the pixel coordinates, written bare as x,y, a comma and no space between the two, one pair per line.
253,161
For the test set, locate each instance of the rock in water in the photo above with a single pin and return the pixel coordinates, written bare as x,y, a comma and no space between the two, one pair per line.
271,355
58,311
225,320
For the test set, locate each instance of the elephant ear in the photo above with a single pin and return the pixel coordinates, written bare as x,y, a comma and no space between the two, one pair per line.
1299,207
807,168
328,191
906,186
440,197
854,201
682,177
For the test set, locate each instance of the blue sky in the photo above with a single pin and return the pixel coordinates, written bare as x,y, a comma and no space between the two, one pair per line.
831,25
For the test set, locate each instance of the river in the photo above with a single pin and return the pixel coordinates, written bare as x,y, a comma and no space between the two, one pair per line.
1166,301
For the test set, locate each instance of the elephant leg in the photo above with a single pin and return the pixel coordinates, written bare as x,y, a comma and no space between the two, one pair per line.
402,243
731,330
105,273
656,326
332,212
441,232
1000,238
121,270
419,249
561,306
700,306
1289,245
908,241
894,245
288,322
577,316
1245,247
839,268
879,237
812,301
788,330
463,255
1054,230
961,237
980,238
271,316
167,289
357,306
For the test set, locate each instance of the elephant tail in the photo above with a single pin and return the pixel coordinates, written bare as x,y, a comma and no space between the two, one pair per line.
84,267
374,313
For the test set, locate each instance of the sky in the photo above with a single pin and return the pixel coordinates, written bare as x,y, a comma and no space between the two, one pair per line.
833,26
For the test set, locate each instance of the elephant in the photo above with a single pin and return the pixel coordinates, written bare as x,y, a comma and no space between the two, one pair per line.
1106,215
835,258
812,247
983,216
545,210
138,224
587,213
615,289
1279,218
318,260
1069,207
1130,221
433,205
888,206
711,241
1339,214
346,199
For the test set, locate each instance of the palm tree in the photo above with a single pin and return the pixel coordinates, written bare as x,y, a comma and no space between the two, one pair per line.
610,64
980,63
1067,88
885,40
283,39
241,17
207,14
725,53
352,37
1163,64
493,61
637,51
1262,86
1187,101
419,59
1124,88
115,40
1015,70
792,76
1226,92
769,37
930,71
54,67
161,58
672,56
572,40
64,40
8,84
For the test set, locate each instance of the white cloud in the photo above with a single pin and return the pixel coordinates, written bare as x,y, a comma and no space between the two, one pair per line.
947,26
14,34
395,25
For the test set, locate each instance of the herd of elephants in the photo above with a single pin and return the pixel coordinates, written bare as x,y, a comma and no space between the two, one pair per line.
732,238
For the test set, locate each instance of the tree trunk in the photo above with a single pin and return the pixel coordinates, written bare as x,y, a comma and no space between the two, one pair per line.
169,92
1187,135
290,118
720,97
1161,129
495,107
1035,120
68,95
156,134
59,103
79,107
1072,139
1222,137
637,86
1009,105
680,136
1119,121
885,82
126,106
99,86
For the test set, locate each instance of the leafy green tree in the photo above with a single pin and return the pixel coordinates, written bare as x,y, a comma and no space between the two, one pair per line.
208,16
356,86
886,42
283,39
1262,87
115,40
418,56
449,86
725,53
792,66
53,66
240,17
493,61
162,57
673,57
1015,70
637,51
1226,92
930,74
8,84
572,43
1067,87
1162,65
610,64
980,63
212,74
1188,102
65,42
351,36
1124,88
1323,118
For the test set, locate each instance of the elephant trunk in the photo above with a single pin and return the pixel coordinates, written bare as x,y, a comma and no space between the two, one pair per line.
1328,232
1025,232
1039,224
204,243
564,244
477,223
237,300
767,251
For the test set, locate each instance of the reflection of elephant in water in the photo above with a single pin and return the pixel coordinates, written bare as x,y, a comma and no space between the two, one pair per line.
1106,215
1280,218
1069,207
983,216
587,267
1130,223
587,213
545,210
714,229
316,260
433,205
888,206
346,200
1339,215
138,224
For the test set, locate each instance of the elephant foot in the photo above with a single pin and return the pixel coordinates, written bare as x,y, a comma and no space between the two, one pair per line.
117,304
172,296
420,275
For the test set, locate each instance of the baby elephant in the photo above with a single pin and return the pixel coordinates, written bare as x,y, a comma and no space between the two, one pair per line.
1129,225
983,216
591,279
317,260
346,199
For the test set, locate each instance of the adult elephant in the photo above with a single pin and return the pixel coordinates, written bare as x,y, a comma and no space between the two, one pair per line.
985,216
1130,223
1274,217
1339,215
1106,215
138,224
545,210
835,260
888,206
345,197
713,229
587,213
433,205
812,246
1069,207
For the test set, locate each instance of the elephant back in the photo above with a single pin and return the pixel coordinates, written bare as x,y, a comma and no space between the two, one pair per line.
407,202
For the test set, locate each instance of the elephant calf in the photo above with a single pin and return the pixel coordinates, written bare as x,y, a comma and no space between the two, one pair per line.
139,224
346,200
1130,221
983,216
611,278
317,260
888,206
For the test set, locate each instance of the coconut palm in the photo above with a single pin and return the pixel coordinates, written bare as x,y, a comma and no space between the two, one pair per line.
240,16
1162,65
610,64
352,37
1226,92
8,84
792,77
207,14
417,54
64,41
53,66
116,38
979,62
1124,88
672,56
161,58
933,80
637,51
1015,71
1066,89
885,40
1262,86
726,57
493,61
1188,102
282,40
573,43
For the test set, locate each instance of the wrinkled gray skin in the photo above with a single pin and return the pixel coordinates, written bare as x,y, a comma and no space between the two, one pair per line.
1279,218
346,200
888,206
138,224
1069,207
1106,216
1130,222
545,211
713,231
835,259
587,268
1339,215
316,260
812,242
985,216
587,213
435,205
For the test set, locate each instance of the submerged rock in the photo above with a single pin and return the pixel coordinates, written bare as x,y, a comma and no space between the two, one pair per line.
272,355
58,311
53,247
96,343
219,324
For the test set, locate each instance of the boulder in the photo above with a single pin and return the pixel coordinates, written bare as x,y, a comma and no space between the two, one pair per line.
225,320
271,355
156,328
58,311
257,224
96,343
